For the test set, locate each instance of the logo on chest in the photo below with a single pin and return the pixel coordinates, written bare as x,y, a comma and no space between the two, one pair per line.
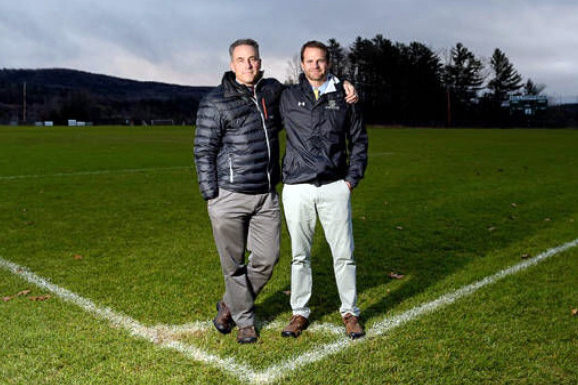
332,105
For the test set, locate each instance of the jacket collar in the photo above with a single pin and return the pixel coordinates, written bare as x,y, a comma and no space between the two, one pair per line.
233,88
331,87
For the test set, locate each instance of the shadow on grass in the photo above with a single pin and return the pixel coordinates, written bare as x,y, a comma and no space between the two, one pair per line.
428,244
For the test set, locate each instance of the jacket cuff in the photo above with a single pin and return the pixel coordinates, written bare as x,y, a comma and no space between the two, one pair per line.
208,195
352,182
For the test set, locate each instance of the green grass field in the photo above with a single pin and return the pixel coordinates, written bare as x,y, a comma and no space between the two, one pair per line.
114,216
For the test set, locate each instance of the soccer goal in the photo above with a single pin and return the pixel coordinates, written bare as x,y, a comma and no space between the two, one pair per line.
162,122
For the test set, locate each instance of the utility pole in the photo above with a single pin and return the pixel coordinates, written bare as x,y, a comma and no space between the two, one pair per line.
24,102
449,107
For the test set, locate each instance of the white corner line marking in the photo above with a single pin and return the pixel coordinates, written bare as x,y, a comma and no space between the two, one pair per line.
154,334
276,372
161,334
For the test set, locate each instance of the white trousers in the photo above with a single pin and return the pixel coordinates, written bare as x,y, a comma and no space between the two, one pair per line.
302,204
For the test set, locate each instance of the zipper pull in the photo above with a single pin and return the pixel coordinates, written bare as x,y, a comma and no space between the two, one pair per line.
264,108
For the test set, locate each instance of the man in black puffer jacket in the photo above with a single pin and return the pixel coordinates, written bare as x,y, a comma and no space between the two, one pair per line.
236,145
237,161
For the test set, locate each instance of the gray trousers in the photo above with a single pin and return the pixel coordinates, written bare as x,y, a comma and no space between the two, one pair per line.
252,223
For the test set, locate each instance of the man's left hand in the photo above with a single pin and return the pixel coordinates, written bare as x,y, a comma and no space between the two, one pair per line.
351,96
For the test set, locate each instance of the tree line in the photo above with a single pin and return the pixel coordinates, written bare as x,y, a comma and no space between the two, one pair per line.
399,84
409,84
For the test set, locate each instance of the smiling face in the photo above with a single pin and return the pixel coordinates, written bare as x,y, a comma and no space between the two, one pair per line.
315,65
246,64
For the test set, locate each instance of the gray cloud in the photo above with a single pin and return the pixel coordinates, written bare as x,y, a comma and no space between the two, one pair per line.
186,42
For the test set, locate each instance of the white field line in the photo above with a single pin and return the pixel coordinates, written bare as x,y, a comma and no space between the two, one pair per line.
325,328
174,331
278,371
89,173
161,335
121,171
135,328
380,153
449,298
193,327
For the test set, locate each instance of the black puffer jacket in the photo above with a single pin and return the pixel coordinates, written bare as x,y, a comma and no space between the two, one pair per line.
236,140
326,138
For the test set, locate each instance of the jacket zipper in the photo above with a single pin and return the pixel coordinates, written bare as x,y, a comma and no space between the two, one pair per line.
231,178
264,123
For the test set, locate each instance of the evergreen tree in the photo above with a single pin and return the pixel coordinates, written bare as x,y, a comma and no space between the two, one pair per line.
463,75
533,89
422,93
463,79
506,80
408,84
374,67
339,64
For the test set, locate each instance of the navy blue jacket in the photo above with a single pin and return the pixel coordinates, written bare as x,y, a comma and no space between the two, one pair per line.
326,138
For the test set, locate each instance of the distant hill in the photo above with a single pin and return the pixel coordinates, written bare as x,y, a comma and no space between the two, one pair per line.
61,94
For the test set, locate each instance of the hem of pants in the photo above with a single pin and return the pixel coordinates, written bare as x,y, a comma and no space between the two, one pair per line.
355,313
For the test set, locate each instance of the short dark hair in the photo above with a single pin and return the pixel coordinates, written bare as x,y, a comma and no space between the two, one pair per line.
315,44
239,42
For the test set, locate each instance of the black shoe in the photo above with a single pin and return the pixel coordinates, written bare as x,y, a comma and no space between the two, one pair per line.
247,335
223,321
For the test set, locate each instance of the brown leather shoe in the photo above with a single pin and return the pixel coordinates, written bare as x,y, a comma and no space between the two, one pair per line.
296,325
247,335
353,328
223,321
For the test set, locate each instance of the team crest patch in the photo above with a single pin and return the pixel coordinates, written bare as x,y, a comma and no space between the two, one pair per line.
332,105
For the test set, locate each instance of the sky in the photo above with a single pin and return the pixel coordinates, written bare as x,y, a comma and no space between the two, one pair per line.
186,41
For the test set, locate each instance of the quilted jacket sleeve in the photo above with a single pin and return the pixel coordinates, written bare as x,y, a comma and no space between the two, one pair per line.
208,141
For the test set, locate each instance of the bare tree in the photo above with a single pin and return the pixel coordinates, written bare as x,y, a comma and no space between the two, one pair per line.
293,70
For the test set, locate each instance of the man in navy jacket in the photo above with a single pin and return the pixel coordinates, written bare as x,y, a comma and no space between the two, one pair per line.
325,159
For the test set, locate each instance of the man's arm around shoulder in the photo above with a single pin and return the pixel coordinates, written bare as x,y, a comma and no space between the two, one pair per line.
357,146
